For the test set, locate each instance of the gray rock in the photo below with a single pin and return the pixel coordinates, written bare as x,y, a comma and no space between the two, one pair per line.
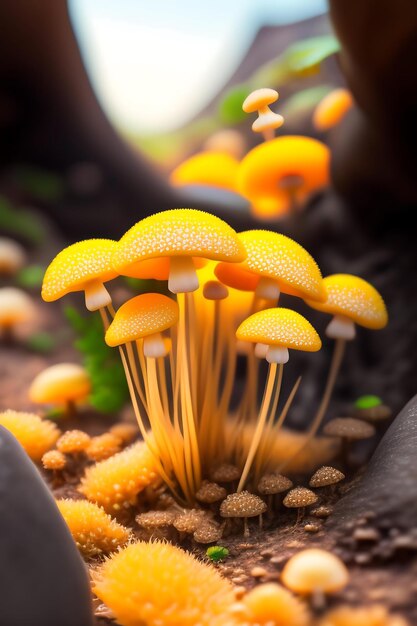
389,486
43,580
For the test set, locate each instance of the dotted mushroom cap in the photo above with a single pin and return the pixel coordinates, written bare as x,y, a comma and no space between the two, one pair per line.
73,441
215,169
354,298
207,533
225,473
177,232
263,169
299,497
190,520
274,483
326,475
210,493
60,383
315,570
243,504
280,327
103,446
332,108
272,255
349,427
78,264
54,460
142,316
259,98
156,519
15,306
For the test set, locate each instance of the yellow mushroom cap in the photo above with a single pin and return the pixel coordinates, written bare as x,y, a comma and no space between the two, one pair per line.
272,604
280,327
353,298
76,266
176,233
315,570
332,108
144,315
264,168
275,256
216,169
60,383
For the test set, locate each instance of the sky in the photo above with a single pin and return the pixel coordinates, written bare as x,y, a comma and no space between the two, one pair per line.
155,63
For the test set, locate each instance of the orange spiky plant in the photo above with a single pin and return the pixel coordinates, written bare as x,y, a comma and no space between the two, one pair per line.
180,351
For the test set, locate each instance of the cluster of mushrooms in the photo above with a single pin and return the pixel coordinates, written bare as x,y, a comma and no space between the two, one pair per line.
180,350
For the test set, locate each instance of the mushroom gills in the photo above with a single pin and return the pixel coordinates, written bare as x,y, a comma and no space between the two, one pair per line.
96,296
182,275
341,327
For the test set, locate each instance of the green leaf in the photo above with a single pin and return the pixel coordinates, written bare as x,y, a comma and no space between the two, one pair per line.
230,108
109,388
41,342
368,402
40,184
20,223
309,53
217,553
31,276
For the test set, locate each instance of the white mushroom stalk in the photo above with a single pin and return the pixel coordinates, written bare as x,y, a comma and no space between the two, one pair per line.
96,296
182,275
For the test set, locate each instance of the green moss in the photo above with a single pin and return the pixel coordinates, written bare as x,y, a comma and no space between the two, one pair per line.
41,342
109,387
31,276
368,402
20,223
217,553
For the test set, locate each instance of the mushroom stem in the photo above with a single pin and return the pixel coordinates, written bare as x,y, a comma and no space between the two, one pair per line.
339,350
269,133
96,296
341,327
271,391
182,275
154,347
318,600
245,527
268,289
277,354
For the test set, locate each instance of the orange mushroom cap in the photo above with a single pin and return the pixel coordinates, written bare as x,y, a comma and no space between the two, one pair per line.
332,108
354,298
275,256
280,327
266,166
78,265
144,315
217,169
149,244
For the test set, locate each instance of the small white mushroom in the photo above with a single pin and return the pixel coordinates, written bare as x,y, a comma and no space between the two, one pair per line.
12,256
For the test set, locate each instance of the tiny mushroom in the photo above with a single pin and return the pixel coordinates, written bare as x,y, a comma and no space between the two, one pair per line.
103,446
280,329
83,266
210,493
372,409
271,484
326,476
12,256
73,442
54,460
271,604
349,429
170,246
156,522
225,473
332,109
144,317
299,498
315,573
216,169
208,533
16,308
277,177
64,384
243,504
267,121
189,521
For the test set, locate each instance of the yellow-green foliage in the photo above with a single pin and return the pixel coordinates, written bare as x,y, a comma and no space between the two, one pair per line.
159,584
115,482
36,435
93,530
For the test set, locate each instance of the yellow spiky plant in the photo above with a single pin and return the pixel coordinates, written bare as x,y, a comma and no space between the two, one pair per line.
157,583
34,434
116,482
93,530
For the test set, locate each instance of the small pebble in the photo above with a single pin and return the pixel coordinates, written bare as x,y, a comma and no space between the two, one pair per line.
312,528
366,534
322,511
238,580
239,592
277,560
258,572
362,558
266,554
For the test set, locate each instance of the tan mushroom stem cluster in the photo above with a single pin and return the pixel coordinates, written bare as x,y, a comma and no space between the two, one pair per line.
180,350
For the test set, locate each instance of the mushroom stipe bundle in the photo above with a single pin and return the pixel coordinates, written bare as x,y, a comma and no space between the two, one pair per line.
180,350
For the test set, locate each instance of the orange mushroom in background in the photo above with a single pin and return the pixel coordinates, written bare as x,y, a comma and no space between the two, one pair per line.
278,176
212,168
332,109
